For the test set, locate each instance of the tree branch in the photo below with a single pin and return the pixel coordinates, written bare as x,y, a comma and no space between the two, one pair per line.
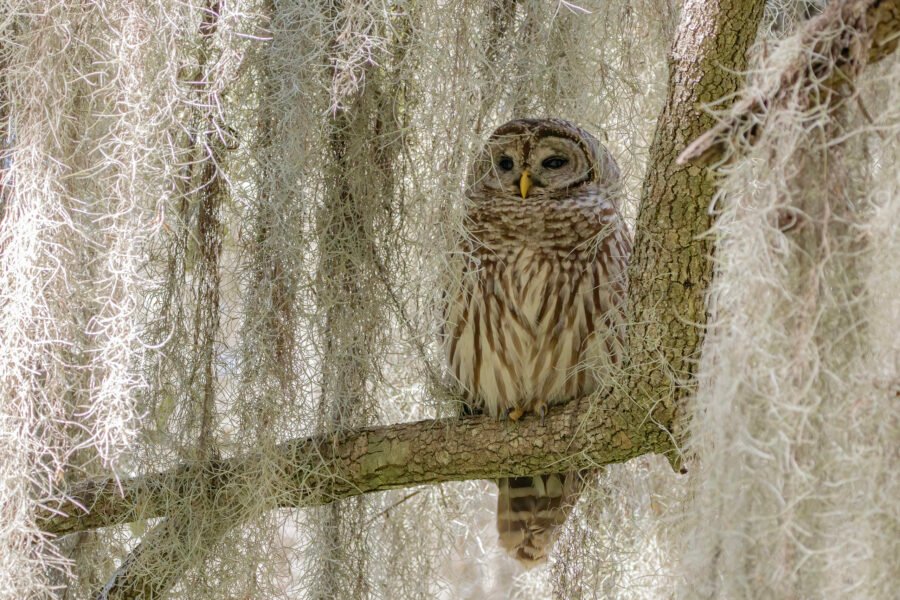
321,469
834,48
671,268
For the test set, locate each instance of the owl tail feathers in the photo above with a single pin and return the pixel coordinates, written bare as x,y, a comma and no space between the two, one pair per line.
530,511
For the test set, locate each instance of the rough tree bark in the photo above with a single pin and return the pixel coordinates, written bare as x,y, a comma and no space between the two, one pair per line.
367,460
670,273
671,267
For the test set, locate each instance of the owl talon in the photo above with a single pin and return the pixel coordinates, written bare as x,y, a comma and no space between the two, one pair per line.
542,411
513,414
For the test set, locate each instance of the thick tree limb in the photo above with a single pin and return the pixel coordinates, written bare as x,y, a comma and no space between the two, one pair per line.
671,267
582,434
322,469
834,48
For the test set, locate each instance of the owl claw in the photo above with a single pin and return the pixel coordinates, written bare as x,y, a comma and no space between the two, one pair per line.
542,411
513,413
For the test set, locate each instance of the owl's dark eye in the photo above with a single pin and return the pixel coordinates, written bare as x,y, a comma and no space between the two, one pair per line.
505,163
554,162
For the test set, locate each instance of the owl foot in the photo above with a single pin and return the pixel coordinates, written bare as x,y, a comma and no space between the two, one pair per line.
542,411
513,413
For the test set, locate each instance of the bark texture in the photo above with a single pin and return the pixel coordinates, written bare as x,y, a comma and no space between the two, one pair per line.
323,469
671,267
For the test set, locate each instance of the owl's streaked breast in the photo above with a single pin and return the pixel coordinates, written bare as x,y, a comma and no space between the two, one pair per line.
531,312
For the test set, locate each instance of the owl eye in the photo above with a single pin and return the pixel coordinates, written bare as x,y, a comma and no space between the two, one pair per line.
505,163
554,162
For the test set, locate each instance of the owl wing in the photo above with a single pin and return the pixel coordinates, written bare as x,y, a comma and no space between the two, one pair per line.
460,281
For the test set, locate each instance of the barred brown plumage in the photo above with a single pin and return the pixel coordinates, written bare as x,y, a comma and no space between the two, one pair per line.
534,316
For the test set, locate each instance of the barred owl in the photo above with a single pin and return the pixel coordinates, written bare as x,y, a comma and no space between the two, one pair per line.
534,316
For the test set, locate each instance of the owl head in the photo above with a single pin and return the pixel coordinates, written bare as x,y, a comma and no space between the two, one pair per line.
533,159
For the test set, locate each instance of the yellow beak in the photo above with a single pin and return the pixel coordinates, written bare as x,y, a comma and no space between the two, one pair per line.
525,183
